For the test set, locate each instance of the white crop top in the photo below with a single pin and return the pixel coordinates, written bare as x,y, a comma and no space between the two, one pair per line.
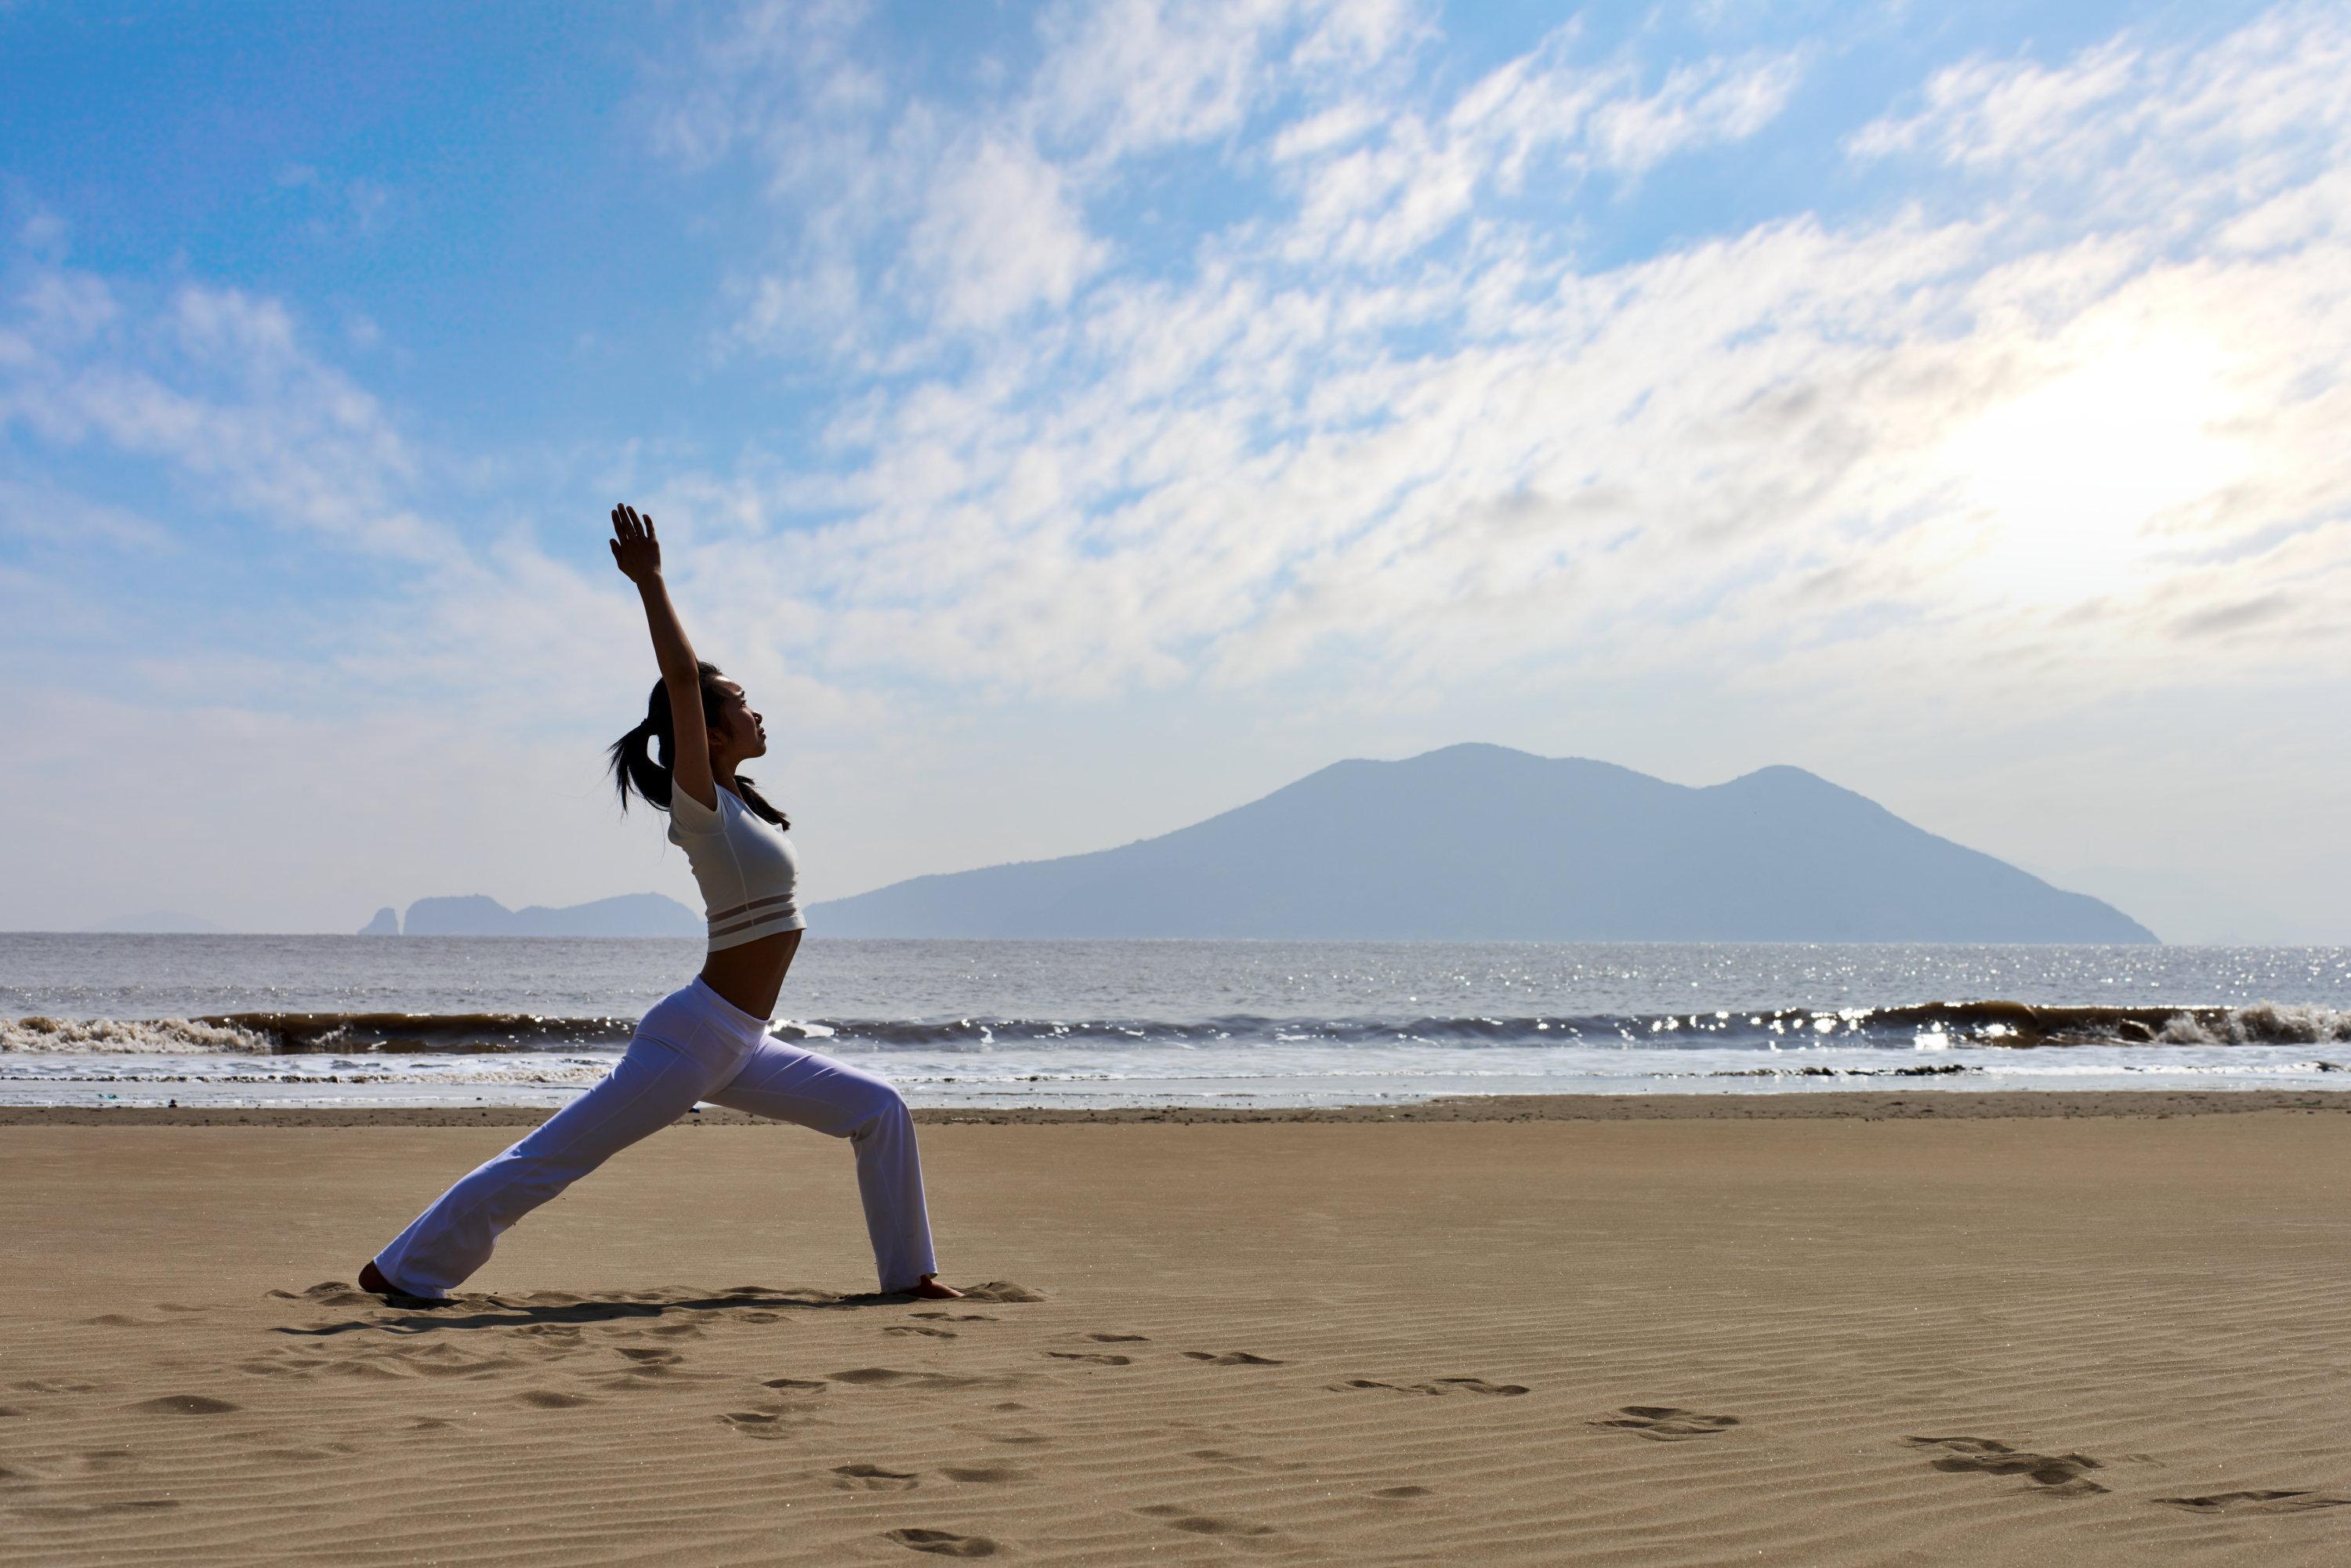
745,864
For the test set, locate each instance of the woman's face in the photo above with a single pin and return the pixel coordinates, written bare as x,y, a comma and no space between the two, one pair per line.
738,733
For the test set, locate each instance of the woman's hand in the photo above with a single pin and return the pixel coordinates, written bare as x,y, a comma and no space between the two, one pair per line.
636,549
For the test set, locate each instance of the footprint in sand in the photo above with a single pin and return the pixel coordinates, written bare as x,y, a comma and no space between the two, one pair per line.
874,1477
549,1399
1119,1338
1232,1358
186,1404
1096,1358
923,1329
999,1291
957,1317
1175,1517
2061,1475
1435,1385
889,1377
1477,1386
1401,1494
2237,1503
943,1543
1666,1422
758,1424
1010,1436
1246,1461
795,1384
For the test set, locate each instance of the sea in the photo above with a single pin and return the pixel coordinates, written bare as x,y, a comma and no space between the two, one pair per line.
253,1020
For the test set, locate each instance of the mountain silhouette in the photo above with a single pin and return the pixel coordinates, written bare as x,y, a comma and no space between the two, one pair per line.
1485,843
475,915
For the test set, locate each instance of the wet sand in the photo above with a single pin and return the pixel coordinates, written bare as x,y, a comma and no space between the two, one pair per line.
1827,1104
1884,1329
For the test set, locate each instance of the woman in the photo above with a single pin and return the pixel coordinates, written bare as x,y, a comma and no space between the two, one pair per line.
710,1041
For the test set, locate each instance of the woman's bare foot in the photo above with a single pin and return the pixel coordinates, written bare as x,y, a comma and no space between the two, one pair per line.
929,1289
371,1281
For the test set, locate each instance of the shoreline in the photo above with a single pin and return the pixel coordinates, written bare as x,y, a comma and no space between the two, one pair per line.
1814,1105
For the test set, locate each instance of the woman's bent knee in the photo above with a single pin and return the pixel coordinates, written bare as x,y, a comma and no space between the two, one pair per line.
884,1107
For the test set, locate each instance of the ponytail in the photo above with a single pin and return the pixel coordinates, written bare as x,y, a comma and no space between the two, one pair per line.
641,760
633,768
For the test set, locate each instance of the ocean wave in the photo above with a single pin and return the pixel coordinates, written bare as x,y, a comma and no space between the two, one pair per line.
290,1034
1929,1026
1940,1069
2022,1024
261,1071
2264,1023
128,1036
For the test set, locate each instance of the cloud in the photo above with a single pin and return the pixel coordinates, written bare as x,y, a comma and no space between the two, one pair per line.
1697,105
1553,114
2166,138
999,236
261,457
1820,454
1135,77
216,385
1987,113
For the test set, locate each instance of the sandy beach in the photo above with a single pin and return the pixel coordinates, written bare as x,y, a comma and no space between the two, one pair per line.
1925,1329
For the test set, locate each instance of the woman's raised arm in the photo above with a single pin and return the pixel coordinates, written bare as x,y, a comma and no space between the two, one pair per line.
636,551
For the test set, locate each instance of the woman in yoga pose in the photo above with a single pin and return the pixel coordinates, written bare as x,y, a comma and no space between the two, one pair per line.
710,1041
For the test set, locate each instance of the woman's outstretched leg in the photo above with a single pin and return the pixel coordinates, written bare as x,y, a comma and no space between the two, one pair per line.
788,1084
653,1086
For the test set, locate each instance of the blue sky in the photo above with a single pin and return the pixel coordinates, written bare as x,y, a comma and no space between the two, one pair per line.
1074,420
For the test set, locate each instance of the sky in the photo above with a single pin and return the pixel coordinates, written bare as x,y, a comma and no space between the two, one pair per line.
1071,420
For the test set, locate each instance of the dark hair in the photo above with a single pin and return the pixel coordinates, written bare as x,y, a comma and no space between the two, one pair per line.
641,759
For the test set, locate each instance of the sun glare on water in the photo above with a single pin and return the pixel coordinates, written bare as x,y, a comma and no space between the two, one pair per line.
2062,484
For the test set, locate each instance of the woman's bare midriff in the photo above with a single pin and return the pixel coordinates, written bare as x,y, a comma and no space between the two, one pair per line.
752,975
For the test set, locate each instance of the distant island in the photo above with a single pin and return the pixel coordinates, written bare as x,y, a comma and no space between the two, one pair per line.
629,914
1485,843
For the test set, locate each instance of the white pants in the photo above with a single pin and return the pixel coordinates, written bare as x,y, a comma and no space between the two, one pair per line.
693,1045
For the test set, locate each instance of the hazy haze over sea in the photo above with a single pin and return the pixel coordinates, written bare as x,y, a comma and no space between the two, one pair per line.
324,1020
